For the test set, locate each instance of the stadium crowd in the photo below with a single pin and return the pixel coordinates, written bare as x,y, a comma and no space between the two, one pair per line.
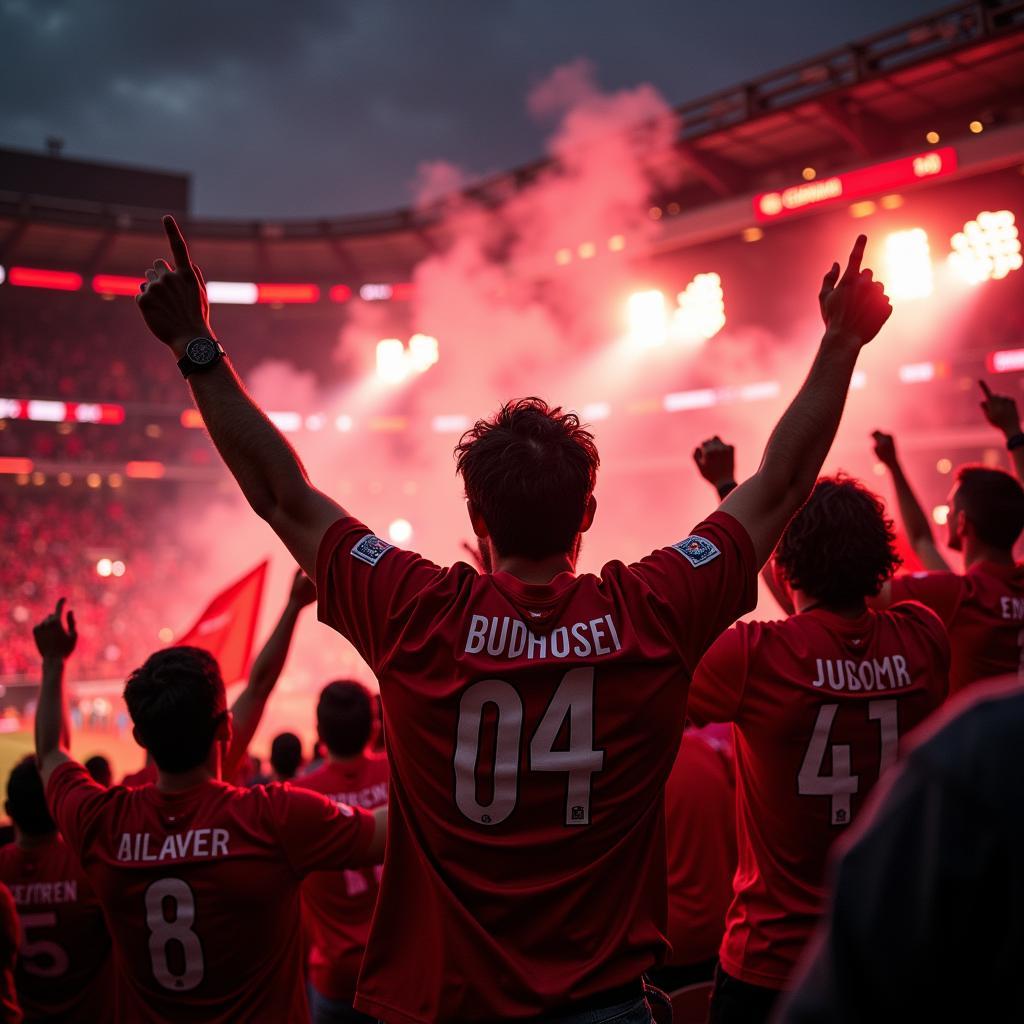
602,798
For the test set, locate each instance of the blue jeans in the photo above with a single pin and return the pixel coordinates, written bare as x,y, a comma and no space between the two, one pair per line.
334,1011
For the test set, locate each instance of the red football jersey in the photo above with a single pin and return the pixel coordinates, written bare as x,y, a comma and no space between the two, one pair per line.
700,810
64,965
820,705
201,889
338,906
10,1012
146,774
984,613
530,731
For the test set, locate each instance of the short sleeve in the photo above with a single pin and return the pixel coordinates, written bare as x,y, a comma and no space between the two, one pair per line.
76,800
703,584
940,591
717,689
318,834
365,585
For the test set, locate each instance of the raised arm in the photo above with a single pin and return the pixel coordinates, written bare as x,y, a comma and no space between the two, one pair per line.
55,642
716,462
854,308
247,711
267,469
915,521
1001,412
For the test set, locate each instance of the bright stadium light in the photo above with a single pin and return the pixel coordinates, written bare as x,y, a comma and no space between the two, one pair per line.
908,265
391,365
400,531
423,353
647,317
701,312
988,248
104,567
396,362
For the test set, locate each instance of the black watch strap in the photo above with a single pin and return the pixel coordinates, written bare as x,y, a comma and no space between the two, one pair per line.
200,354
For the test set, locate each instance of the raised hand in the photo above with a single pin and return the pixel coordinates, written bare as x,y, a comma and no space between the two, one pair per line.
885,448
53,638
173,302
1000,411
303,590
716,461
853,306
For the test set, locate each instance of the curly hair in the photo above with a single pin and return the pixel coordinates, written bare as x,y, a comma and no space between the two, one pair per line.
840,547
529,472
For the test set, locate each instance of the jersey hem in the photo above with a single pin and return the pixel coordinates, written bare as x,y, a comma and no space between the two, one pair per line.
385,1012
732,968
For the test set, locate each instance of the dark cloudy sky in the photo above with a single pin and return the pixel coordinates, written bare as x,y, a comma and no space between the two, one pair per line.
328,106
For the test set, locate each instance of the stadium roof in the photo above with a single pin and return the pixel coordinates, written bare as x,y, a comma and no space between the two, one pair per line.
859,104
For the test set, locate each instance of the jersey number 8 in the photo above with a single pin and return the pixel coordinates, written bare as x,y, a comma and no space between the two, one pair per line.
175,950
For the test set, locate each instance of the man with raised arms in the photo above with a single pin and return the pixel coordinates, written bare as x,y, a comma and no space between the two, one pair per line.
524,874
199,880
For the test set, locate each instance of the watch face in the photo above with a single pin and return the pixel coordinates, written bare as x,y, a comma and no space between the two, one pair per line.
201,351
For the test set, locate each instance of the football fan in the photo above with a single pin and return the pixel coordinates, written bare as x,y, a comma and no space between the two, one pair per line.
64,969
338,908
199,880
533,715
983,606
819,702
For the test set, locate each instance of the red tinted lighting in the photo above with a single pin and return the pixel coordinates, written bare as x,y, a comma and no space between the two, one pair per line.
287,293
112,284
33,277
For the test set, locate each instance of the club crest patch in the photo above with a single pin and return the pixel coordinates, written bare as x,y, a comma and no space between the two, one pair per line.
371,549
697,551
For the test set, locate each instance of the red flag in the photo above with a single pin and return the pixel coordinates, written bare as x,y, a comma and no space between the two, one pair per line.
227,626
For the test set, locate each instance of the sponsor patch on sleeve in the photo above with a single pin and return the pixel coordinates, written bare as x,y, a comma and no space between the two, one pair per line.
371,549
697,551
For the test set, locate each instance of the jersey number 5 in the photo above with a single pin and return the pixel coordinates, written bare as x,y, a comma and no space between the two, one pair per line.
174,949
574,699
842,783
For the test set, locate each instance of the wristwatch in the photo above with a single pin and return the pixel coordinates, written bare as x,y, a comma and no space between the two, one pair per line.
200,354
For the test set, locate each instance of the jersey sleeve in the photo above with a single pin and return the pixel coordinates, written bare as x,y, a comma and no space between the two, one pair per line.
703,584
318,834
76,801
940,591
364,587
717,689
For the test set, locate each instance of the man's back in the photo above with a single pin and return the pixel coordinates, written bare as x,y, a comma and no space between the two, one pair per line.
820,703
984,613
64,971
530,729
338,906
201,889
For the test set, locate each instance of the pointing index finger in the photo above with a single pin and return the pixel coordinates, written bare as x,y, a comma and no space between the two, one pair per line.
856,255
985,389
179,248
